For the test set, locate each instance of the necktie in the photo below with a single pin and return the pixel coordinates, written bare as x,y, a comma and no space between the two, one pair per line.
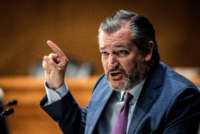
122,120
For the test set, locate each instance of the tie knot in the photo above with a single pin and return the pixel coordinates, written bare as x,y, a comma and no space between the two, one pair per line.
128,97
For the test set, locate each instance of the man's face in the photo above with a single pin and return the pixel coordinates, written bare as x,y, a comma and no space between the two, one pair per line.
122,63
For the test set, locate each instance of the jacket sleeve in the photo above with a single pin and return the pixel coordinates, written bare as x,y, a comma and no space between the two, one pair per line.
184,114
70,117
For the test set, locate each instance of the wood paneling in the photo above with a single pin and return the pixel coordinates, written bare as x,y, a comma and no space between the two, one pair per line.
26,25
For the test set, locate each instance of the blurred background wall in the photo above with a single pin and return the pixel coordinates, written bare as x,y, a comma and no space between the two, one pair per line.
25,25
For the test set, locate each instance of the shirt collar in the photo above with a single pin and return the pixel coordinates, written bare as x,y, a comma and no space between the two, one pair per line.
135,91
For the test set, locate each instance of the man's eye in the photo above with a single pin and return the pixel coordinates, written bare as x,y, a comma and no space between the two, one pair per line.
123,52
104,53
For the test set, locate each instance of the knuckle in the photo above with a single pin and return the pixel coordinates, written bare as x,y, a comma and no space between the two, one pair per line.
52,55
66,59
44,64
45,57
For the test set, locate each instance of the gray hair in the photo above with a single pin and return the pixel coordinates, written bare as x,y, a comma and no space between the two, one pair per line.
142,32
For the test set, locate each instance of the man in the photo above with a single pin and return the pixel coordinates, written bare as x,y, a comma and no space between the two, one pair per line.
161,101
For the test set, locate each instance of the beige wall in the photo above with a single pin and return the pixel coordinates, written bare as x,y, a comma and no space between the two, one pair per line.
25,25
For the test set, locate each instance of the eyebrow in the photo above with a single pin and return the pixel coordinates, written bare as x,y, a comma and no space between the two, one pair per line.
117,46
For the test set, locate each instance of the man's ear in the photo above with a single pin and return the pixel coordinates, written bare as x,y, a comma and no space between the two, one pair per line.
150,48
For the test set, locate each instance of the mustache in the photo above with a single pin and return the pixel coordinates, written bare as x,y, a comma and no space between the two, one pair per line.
128,76
116,70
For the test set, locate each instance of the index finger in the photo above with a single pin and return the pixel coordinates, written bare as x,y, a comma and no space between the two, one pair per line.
55,48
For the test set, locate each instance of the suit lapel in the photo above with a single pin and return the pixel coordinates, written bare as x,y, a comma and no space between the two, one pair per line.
98,102
148,96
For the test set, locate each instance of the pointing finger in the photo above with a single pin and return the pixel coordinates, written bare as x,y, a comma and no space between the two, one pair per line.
55,48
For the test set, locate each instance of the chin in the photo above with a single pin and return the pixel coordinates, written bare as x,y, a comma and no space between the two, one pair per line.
123,85
119,86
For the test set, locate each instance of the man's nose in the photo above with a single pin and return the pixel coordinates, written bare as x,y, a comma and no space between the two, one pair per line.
112,61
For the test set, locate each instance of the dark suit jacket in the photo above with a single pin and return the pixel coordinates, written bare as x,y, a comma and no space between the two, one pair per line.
168,104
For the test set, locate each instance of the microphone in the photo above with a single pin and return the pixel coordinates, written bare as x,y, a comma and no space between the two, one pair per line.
12,102
9,103
6,112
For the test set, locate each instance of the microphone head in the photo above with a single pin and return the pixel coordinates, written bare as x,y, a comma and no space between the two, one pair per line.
7,112
12,102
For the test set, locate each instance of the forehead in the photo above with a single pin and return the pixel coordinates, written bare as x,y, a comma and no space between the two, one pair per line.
120,38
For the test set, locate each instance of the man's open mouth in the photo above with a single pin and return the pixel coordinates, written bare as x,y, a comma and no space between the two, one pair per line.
115,75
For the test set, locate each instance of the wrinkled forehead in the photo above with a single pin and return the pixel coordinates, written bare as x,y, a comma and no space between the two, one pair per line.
118,38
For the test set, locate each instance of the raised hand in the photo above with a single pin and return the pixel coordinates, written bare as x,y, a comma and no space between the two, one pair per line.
54,66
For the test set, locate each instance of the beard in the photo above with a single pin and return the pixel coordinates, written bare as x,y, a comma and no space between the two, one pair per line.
139,73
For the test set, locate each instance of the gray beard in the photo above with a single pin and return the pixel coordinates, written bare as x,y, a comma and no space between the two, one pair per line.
140,73
128,85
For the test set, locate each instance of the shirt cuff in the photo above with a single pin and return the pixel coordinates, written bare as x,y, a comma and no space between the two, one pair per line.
55,95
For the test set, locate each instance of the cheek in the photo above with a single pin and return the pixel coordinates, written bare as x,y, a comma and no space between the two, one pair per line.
128,65
129,68
104,64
